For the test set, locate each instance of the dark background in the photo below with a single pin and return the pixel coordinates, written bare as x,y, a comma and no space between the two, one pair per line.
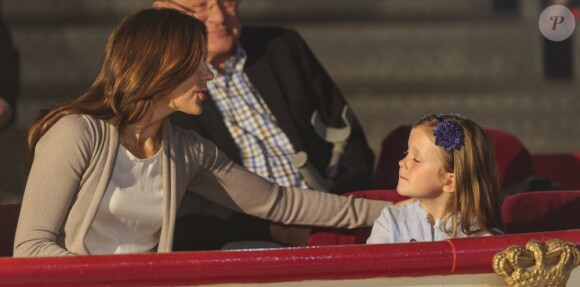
395,60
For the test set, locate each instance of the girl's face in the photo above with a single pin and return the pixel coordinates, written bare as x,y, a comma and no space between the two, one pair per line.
189,95
421,172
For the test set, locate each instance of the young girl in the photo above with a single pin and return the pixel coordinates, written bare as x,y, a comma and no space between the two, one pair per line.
449,173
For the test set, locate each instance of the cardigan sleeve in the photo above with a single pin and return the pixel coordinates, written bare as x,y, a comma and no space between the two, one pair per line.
231,185
59,161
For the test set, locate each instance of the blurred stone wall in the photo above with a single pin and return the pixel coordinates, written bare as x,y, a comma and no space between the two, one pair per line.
395,61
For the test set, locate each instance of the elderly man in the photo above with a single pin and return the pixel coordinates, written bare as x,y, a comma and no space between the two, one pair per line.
267,86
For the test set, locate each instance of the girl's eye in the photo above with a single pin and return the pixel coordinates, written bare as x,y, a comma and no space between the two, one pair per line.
406,153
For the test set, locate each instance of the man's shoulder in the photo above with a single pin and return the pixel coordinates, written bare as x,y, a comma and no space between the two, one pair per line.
258,41
253,34
272,31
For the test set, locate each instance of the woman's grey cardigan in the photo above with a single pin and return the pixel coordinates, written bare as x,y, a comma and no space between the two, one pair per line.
74,160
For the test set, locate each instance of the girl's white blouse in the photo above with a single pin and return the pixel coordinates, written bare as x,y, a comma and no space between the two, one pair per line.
409,223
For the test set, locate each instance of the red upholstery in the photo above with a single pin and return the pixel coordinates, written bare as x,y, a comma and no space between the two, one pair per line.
563,168
542,211
514,162
8,220
338,236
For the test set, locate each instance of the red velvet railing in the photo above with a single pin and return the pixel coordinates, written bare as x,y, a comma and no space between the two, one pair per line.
456,256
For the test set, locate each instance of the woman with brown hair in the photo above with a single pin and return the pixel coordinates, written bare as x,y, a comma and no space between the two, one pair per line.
109,170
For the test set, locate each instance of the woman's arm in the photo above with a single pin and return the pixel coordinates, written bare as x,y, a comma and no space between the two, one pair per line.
228,184
58,166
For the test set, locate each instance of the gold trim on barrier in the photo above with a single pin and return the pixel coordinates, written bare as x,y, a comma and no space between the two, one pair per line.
547,265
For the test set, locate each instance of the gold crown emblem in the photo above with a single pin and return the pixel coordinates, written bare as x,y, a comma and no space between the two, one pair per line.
537,264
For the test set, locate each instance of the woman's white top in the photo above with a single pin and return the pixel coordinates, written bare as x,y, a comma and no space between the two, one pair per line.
130,215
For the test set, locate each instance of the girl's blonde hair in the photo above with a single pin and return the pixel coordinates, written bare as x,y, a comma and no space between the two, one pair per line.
148,55
477,199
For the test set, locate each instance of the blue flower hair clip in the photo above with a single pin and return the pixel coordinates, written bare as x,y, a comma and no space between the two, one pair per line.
448,135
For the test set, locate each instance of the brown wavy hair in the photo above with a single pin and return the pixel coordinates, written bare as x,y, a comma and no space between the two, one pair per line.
147,55
477,198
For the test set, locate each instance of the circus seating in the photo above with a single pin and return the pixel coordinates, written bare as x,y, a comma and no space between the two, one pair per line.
563,168
541,211
514,162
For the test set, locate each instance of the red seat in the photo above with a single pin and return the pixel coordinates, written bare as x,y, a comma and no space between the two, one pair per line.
339,236
514,163
8,220
542,211
563,168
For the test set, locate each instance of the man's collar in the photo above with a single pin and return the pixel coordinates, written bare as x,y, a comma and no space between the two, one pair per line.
235,63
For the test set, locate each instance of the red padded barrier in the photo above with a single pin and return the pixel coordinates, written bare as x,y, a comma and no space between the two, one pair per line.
455,256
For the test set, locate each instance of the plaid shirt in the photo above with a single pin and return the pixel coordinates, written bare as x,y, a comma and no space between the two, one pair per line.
264,148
